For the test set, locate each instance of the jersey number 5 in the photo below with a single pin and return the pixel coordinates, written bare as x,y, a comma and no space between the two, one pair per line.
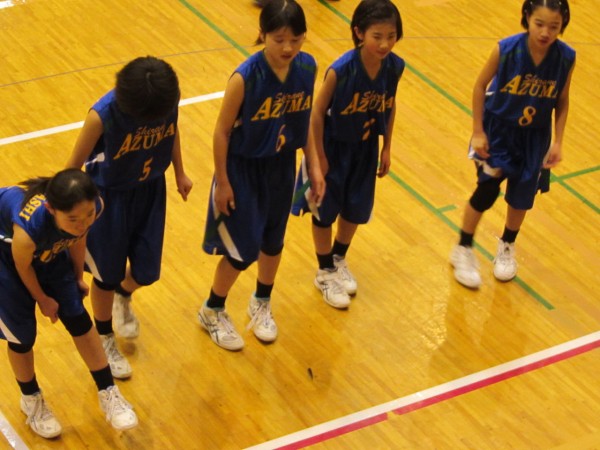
146,170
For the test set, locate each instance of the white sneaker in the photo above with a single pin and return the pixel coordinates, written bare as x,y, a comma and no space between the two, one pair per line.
466,267
119,366
221,329
118,411
262,322
505,264
39,417
330,285
348,280
124,320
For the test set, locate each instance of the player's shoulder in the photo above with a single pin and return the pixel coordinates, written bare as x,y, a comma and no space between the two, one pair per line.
566,50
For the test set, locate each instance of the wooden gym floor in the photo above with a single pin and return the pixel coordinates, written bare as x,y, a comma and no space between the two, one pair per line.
417,362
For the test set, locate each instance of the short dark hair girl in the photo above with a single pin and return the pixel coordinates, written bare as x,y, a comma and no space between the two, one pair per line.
562,6
278,14
371,12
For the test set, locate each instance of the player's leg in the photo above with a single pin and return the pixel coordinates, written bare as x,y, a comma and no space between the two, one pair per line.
343,238
462,258
125,321
212,315
117,410
16,304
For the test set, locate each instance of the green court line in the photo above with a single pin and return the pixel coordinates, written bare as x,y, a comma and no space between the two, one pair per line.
443,209
585,201
575,174
215,28
392,175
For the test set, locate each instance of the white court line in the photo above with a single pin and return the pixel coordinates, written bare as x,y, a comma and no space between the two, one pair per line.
10,434
351,422
76,125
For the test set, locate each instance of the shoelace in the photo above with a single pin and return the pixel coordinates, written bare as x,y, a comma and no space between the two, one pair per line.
112,351
39,412
116,403
471,261
332,283
262,314
506,254
127,312
225,322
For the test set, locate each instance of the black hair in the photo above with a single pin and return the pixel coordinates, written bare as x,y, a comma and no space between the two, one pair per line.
371,12
63,191
277,14
147,89
562,6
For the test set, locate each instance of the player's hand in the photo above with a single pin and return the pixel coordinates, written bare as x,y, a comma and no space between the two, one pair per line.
224,198
184,186
49,308
83,288
479,143
317,186
554,156
385,161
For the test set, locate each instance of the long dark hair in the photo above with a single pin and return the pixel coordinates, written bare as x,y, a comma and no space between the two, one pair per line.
63,191
147,88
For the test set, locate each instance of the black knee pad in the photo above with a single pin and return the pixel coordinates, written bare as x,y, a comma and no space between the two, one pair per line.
105,286
485,195
238,265
20,348
77,325
317,223
273,250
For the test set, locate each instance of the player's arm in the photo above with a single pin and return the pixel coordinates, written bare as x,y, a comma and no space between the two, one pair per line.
315,174
77,252
479,140
23,249
560,120
385,159
317,116
89,135
230,108
184,184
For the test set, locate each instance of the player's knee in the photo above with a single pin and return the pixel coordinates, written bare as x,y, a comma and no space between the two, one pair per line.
317,223
77,325
22,347
238,265
485,195
272,249
105,286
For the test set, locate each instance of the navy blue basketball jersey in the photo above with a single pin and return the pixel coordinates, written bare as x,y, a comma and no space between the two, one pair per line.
522,93
37,222
274,116
128,152
361,106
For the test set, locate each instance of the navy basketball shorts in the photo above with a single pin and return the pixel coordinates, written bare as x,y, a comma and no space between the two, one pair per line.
350,181
263,190
131,228
17,306
517,155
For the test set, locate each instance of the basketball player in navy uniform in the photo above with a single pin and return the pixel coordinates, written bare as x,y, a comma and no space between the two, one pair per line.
263,120
43,228
128,141
530,75
355,106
